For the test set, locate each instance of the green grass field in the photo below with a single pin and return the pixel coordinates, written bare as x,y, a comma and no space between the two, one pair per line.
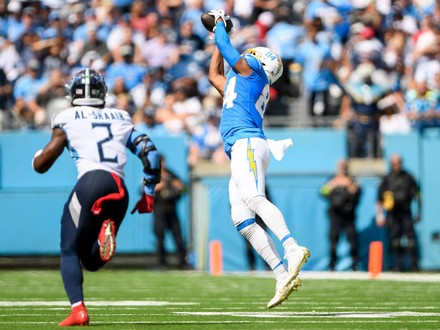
141,299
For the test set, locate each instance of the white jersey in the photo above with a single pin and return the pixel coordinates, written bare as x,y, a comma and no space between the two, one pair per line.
96,137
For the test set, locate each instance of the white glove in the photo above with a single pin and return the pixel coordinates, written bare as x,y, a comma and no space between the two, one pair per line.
218,14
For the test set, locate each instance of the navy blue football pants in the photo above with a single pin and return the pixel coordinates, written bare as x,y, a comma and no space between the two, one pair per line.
80,227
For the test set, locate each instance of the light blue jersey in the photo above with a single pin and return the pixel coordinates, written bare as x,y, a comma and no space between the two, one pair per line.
244,105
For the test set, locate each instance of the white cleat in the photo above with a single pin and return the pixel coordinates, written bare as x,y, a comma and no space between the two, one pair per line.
283,292
295,260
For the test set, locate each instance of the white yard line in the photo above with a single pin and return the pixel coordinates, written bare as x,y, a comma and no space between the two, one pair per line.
392,276
269,314
348,314
127,303
348,275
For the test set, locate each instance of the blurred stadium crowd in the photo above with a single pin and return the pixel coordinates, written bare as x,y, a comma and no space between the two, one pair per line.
369,67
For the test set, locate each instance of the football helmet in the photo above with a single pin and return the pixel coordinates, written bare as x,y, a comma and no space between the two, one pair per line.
87,87
270,60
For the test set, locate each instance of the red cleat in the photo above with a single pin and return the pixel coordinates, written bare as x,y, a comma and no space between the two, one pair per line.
78,316
107,240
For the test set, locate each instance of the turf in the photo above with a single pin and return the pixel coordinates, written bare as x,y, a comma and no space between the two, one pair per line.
140,299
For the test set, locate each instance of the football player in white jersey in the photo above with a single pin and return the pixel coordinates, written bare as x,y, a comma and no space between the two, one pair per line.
97,138
245,91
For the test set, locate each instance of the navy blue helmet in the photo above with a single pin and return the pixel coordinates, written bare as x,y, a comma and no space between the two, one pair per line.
87,87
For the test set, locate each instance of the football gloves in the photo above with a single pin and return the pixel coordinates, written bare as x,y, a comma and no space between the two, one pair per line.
144,205
218,14
146,202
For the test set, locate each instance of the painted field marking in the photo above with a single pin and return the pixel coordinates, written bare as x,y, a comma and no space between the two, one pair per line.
315,314
350,314
140,303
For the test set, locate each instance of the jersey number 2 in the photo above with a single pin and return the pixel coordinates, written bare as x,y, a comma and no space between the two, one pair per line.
101,143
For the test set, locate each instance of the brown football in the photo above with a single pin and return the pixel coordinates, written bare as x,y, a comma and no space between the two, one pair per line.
208,22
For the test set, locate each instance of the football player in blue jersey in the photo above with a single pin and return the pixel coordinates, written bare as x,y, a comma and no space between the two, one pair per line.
97,138
245,91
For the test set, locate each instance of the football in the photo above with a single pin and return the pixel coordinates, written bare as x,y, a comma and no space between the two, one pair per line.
208,22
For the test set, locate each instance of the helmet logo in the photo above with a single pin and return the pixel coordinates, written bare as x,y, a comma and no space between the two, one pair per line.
270,61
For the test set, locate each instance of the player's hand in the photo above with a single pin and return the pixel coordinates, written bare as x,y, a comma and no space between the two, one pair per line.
38,153
220,13
144,205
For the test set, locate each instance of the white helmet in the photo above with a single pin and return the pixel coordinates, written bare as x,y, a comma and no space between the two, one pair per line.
270,60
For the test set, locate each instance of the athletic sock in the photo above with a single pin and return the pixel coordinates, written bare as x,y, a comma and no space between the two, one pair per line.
289,243
273,218
263,244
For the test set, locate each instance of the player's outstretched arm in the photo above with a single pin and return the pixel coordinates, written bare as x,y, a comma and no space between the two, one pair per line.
216,72
45,158
229,53
141,145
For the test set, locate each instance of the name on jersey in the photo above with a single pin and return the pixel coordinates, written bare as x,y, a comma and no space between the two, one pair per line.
99,115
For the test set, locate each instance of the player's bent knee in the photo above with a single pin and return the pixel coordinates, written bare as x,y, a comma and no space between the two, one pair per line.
240,213
255,202
91,267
